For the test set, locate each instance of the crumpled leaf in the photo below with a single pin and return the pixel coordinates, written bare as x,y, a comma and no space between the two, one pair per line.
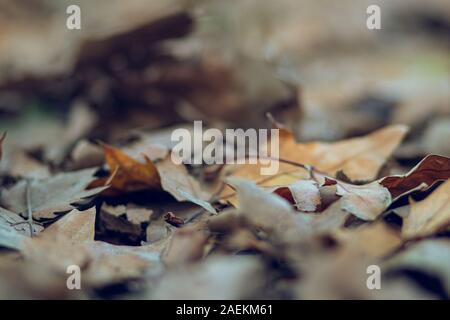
431,169
304,194
430,215
366,202
52,195
126,173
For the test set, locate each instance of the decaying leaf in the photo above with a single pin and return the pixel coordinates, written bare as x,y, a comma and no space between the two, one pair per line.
428,216
430,170
359,158
375,240
304,194
176,180
50,196
128,174
366,202
70,241
268,212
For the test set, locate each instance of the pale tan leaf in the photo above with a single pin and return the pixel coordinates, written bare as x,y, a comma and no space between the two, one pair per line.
428,216
52,195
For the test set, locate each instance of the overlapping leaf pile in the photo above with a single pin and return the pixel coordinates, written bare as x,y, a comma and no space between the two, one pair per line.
86,176
309,231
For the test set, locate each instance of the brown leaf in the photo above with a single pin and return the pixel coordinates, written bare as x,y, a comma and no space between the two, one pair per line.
127,174
428,216
268,212
375,240
359,158
186,245
70,241
431,169
304,194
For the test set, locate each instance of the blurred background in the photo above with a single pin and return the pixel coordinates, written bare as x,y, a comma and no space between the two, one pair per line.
148,65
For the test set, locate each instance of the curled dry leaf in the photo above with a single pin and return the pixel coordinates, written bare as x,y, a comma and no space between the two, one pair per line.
304,194
431,169
366,202
430,215
51,195
126,173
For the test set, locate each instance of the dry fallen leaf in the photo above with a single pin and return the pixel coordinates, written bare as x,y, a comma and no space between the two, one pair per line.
268,212
51,195
70,241
360,159
375,240
186,245
304,194
431,169
430,215
127,174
